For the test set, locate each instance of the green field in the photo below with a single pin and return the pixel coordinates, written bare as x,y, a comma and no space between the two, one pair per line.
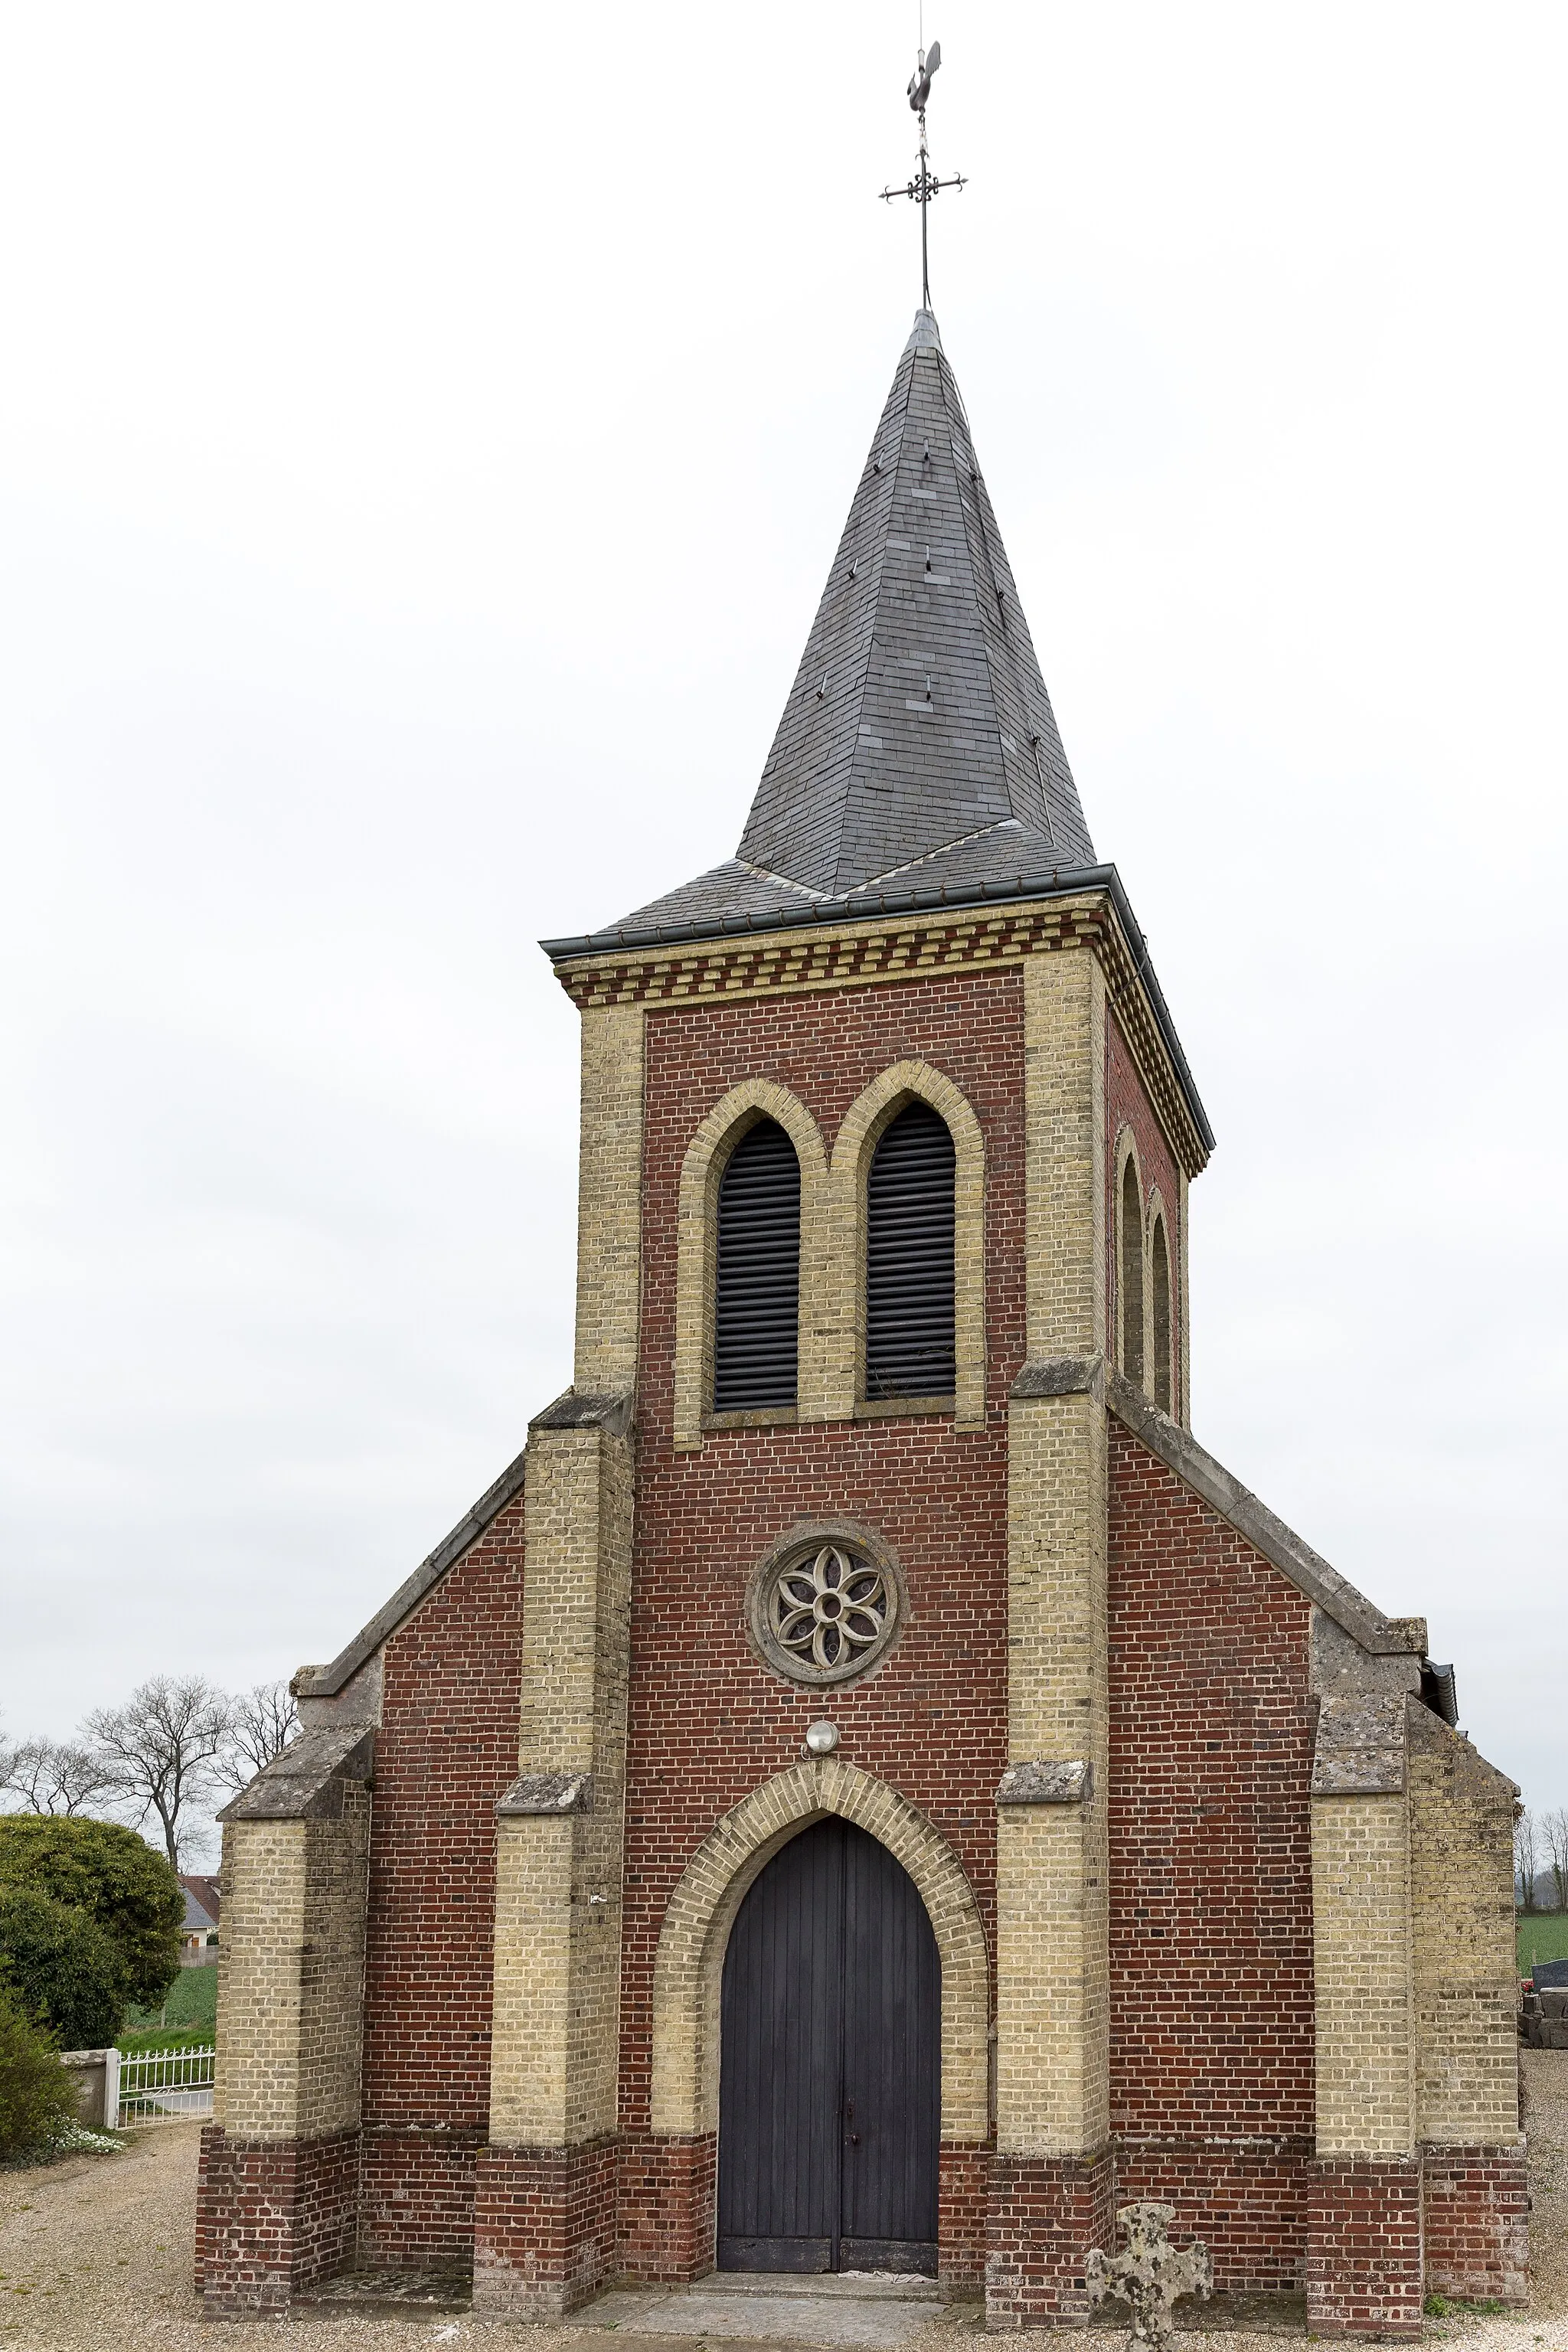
191,2006
1543,1936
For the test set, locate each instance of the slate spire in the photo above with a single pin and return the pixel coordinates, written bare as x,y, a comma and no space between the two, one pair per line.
919,716
918,746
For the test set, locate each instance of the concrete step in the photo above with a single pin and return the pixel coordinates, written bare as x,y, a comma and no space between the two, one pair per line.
875,2312
896,2287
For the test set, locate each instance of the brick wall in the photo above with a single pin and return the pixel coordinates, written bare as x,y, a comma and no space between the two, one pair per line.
964,2195
1364,2248
668,2190
447,1751
1211,1926
708,1721
272,2217
1477,2223
1465,1983
1210,1722
1044,2215
546,2234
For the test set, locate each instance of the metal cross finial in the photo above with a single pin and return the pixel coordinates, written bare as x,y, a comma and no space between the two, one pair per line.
924,185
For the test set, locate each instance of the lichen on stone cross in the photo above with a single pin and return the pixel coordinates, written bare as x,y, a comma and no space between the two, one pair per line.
1150,2274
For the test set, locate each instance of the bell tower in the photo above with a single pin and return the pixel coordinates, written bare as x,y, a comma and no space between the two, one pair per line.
914,922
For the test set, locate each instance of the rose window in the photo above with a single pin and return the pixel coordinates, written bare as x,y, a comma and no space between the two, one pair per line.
827,1612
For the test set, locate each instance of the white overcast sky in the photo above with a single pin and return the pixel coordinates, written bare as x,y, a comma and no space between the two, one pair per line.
424,433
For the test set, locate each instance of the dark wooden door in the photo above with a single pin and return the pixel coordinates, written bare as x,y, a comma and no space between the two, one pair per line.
830,2066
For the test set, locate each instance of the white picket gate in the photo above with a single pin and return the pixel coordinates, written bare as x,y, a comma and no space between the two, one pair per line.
160,2087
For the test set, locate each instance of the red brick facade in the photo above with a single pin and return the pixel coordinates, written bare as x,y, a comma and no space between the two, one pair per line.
706,1721
1211,1735
1211,1924
447,1751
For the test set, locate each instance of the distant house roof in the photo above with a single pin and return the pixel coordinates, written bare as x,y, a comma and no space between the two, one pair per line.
201,1903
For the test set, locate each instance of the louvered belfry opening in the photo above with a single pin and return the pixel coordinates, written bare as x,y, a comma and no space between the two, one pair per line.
756,1315
909,1335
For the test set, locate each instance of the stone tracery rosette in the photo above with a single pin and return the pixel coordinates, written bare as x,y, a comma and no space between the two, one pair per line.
826,1603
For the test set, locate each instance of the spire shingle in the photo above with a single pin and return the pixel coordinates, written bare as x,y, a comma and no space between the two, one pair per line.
919,733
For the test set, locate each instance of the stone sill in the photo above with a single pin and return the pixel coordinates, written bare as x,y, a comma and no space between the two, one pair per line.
789,1417
902,1407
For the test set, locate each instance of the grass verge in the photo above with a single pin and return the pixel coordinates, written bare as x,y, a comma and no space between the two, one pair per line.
1541,1935
190,2005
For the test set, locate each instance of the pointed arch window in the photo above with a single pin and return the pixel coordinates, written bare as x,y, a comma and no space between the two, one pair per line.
756,1302
1160,1310
1130,1282
911,1338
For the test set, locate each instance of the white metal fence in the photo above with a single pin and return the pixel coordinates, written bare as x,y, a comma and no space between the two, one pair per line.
158,2086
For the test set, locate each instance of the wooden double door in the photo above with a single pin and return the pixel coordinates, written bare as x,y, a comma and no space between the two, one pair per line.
831,2067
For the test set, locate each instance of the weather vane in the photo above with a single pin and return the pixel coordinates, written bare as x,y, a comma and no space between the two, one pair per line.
925,185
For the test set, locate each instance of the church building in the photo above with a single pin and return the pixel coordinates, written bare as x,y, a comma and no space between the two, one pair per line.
865,1789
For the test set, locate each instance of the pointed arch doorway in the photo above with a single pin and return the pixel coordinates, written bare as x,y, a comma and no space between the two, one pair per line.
830,2066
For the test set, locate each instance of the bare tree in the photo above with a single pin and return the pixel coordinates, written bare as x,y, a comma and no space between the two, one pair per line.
262,1721
1554,1836
53,1776
160,1750
1525,1856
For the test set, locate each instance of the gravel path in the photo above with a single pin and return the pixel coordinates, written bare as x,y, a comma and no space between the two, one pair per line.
95,2256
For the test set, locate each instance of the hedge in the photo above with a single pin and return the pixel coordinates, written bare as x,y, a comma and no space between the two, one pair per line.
63,1970
107,1871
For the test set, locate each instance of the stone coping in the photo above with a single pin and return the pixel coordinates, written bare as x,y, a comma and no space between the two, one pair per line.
306,1782
1242,1509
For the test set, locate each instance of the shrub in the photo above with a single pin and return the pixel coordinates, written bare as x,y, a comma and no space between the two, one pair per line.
37,2103
64,1971
107,1871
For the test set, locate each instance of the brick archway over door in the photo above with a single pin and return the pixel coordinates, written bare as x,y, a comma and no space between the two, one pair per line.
689,1969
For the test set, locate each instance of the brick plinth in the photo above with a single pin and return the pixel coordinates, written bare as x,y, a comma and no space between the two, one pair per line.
963,2196
272,2216
1248,2205
668,2192
1044,2214
1364,2248
544,2228
1477,2223
416,2197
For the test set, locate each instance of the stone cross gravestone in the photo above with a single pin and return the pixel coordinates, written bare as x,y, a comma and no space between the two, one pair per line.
1150,2274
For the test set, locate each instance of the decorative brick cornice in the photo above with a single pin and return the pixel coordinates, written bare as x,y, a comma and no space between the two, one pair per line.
912,947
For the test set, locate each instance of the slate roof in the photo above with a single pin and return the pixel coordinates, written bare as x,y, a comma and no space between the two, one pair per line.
918,751
201,1902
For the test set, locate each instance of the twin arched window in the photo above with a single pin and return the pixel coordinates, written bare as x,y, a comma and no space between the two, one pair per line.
910,1324
1143,1292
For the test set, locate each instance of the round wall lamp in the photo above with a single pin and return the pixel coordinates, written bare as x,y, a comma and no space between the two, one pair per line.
821,1738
